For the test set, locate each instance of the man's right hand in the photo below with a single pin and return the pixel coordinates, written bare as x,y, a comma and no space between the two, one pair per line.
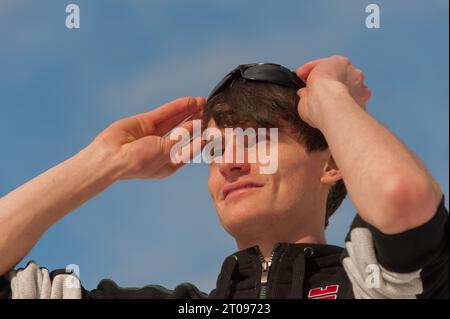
138,142
135,147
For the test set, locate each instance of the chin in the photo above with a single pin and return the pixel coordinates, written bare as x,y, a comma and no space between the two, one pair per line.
241,218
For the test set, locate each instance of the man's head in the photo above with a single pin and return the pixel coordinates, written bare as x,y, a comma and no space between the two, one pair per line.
305,190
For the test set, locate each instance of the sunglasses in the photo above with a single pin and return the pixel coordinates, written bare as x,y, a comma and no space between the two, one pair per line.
260,72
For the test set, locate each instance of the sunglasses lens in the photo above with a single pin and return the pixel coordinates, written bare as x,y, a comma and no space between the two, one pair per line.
264,72
268,72
222,84
273,73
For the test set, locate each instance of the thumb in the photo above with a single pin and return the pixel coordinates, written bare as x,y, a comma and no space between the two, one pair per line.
303,107
304,70
302,92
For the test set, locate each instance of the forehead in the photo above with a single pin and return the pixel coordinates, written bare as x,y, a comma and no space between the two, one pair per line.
284,129
285,141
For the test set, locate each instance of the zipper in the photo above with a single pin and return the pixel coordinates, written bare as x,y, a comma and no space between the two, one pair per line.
265,271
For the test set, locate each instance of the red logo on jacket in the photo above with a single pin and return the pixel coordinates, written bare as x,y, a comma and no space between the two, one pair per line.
328,292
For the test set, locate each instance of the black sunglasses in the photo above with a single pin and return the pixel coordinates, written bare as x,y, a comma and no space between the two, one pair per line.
261,72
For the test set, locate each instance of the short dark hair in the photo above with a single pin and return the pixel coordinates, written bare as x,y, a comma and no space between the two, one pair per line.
258,104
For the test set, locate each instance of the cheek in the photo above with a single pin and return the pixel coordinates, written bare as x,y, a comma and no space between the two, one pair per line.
295,175
213,181
302,179
292,178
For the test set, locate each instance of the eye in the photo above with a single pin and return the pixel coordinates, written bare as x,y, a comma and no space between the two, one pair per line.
249,141
216,151
263,137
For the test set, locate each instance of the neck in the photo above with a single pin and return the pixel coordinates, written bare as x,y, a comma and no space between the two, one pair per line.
266,244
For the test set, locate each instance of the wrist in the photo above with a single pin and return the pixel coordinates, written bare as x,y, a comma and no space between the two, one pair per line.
104,163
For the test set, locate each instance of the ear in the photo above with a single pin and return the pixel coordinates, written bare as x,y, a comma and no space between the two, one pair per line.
331,173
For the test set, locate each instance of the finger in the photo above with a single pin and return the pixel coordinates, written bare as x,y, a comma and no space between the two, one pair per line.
169,115
165,127
190,153
197,106
368,92
171,168
367,96
360,76
185,130
304,71
186,106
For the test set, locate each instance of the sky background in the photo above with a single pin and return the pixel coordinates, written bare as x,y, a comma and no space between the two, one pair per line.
59,88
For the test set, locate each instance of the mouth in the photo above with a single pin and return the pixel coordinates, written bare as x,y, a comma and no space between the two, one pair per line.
239,188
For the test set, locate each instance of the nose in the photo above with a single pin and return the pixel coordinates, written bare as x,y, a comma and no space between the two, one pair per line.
231,167
232,171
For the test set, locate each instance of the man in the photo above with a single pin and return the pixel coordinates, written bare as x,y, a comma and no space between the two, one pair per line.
398,243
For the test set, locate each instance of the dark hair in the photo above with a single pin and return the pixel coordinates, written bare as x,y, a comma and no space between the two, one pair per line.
258,104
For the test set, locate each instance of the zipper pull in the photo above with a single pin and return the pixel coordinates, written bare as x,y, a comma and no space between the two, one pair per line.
265,271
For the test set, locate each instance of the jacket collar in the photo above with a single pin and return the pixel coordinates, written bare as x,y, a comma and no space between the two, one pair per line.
240,276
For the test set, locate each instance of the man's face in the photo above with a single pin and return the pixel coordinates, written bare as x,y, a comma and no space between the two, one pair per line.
251,204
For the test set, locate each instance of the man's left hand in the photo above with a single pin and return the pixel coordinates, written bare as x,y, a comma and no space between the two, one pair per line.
327,79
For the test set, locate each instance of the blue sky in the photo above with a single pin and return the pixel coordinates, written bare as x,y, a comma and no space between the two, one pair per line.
59,88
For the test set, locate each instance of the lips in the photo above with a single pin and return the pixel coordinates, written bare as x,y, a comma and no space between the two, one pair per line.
239,185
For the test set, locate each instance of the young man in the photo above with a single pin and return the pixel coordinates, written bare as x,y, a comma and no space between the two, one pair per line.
397,246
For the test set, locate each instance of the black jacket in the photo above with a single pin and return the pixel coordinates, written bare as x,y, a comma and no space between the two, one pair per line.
413,264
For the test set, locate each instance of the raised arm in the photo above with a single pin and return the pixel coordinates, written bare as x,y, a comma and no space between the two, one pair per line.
388,184
134,147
